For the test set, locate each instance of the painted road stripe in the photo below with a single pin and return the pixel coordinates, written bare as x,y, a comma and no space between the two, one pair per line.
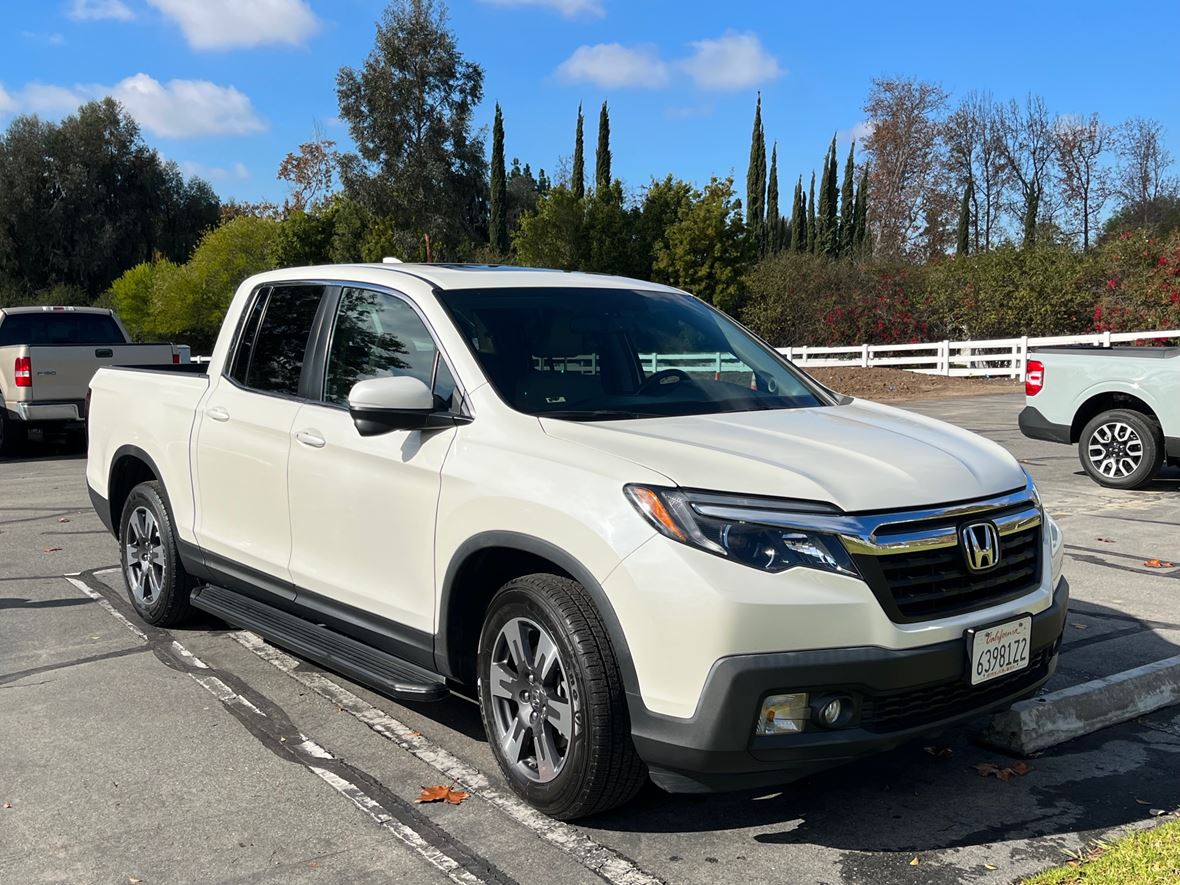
599,859
433,855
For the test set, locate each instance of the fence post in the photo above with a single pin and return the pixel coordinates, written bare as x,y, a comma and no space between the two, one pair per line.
1106,338
789,352
718,378
803,355
944,357
864,356
655,363
1023,357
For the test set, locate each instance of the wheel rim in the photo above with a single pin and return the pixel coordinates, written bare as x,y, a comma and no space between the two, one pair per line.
143,556
533,702
1115,450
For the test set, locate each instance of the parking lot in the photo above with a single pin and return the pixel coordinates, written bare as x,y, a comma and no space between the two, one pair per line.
132,754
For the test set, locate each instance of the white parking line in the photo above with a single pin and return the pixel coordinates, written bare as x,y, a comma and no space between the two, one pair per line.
437,858
597,858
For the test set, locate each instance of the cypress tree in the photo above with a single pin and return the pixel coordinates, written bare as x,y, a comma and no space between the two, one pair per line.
499,208
602,158
811,230
863,242
756,172
848,204
964,244
578,173
827,224
799,219
773,217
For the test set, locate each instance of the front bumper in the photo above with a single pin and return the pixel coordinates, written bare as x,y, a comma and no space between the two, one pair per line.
900,695
1034,425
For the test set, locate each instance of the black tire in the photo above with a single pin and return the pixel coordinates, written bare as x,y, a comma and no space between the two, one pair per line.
601,768
1144,446
163,598
13,436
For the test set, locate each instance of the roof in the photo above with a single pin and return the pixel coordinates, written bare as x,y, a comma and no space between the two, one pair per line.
469,276
52,309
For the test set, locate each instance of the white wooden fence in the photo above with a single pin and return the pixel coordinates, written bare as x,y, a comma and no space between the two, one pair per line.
998,357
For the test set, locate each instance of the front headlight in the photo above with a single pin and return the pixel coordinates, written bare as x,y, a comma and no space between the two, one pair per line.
772,540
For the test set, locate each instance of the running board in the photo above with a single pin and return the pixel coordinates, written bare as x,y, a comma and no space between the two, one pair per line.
397,678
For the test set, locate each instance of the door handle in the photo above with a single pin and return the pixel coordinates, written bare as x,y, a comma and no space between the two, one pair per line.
310,438
217,413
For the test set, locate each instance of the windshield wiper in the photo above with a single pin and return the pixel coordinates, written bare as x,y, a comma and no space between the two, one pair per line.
596,415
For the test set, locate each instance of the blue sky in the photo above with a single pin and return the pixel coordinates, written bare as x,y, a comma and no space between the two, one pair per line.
227,87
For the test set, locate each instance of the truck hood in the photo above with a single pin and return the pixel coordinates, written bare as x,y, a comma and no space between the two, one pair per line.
859,456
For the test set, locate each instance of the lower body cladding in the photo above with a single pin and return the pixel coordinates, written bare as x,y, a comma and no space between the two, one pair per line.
888,698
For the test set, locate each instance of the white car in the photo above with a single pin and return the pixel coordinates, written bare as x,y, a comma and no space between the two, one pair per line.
646,542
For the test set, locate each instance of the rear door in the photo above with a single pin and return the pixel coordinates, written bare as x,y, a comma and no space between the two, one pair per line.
244,438
363,508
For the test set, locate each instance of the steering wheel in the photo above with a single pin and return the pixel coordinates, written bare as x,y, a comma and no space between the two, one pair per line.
663,380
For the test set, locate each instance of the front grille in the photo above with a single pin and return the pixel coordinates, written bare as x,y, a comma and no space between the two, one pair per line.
905,709
935,583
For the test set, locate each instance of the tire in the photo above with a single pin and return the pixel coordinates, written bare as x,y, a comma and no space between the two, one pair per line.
157,585
1121,449
595,767
13,436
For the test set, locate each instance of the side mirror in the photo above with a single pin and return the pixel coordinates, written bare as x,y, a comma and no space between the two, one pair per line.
401,402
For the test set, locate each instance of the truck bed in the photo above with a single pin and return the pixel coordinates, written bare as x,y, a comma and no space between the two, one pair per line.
1159,353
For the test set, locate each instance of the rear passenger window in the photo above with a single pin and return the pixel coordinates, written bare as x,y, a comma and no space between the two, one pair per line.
271,359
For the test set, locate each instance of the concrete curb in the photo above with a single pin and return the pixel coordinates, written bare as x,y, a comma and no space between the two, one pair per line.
1059,716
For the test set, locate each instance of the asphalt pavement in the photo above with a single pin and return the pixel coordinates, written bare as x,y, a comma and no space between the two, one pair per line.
129,754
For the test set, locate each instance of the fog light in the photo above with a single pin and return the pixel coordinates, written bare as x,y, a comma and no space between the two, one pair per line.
783,714
831,713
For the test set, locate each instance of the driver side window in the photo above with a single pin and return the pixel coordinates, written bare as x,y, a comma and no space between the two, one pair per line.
377,335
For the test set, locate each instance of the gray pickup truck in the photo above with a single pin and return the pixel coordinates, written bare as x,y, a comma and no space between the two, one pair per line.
1120,405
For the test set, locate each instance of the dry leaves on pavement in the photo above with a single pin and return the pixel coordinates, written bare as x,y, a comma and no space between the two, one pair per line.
441,793
1159,563
990,769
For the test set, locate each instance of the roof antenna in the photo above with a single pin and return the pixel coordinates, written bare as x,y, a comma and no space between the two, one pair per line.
389,259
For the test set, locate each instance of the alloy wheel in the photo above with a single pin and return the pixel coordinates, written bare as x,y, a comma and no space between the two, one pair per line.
1115,450
143,556
533,700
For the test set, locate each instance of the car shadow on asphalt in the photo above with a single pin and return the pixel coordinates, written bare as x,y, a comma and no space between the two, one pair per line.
929,795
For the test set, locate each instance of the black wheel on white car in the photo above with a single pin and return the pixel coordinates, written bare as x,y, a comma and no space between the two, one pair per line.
1121,449
157,583
552,701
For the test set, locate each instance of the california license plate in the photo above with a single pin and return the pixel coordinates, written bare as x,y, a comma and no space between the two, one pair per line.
999,650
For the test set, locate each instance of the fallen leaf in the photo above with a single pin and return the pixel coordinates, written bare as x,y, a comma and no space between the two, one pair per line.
990,769
1079,626
413,734
939,752
52,549
442,793
986,769
988,866
1142,802
1021,768
63,519
1156,812
7,804
914,862
1159,563
132,880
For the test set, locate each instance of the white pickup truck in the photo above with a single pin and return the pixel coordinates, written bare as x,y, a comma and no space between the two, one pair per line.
48,356
645,542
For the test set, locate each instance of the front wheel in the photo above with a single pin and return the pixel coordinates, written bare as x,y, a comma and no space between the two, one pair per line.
552,701
157,583
1121,449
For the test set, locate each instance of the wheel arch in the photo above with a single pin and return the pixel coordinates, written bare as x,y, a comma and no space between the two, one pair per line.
483,564
1104,402
130,466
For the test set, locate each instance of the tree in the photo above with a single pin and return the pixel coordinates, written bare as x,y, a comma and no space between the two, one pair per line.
303,239
1144,161
609,232
847,203
602,177
1082,176
756,172
773,239
799,219
310,172
409,110
973,146
862,237
523,192
578,172
663,201
812,232
827,223
706,251
1026,147
499,205
963,243
903,153
554,235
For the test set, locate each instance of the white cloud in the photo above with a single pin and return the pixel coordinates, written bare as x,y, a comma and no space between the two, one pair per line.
53,39
95,10
731,61
568,8
858,132
176,109
237,171
689,112
614,66
7,102
234,24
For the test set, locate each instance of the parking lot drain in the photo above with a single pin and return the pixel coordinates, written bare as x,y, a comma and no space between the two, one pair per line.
1051,719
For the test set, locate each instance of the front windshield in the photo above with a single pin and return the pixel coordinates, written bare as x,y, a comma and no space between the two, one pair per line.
601,354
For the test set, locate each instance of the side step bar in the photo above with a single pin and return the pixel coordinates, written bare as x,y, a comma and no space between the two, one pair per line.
399,679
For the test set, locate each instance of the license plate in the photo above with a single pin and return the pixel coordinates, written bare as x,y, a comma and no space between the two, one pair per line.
999,650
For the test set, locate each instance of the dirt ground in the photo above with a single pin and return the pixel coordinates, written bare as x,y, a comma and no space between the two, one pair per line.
895,385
